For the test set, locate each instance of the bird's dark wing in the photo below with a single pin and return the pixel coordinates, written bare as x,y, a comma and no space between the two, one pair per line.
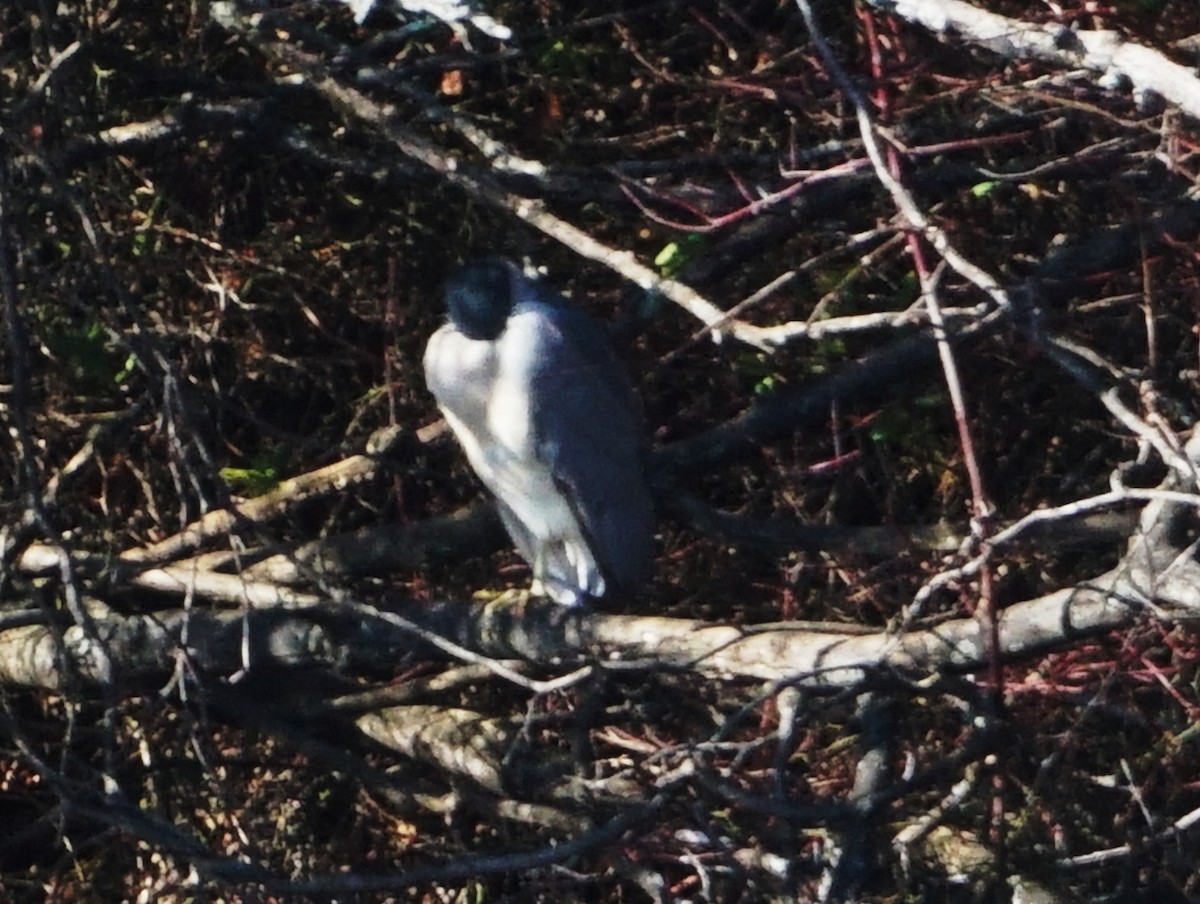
588,430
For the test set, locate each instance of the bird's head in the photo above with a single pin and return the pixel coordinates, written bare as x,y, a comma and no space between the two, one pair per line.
480,295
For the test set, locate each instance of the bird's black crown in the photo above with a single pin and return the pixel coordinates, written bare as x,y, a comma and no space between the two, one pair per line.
479,297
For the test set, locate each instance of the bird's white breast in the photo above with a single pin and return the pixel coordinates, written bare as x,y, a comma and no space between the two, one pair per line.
482,389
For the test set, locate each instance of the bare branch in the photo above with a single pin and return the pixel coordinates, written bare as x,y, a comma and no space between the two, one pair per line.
1106,53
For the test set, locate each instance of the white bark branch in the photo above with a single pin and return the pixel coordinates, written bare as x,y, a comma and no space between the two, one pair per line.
1105,52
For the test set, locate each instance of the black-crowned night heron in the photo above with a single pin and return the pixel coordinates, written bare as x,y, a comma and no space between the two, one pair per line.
543,409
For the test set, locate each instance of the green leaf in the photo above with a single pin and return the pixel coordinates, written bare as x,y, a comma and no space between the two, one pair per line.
674,255
250,481
131,363
669,254
261,475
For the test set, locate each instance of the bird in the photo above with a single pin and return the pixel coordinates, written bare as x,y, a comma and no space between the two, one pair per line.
451,12
548,419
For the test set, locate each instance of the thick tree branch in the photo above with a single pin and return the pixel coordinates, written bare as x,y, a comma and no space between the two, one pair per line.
1154,577
1106,53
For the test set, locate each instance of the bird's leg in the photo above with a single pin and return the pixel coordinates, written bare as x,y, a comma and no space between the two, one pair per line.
538,587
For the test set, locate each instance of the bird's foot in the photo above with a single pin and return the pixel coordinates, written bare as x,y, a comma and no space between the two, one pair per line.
558,593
